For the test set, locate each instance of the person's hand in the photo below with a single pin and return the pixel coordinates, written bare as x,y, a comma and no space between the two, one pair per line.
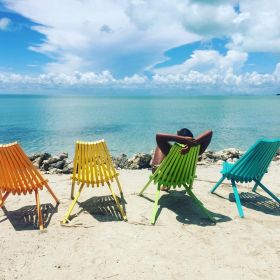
185,150
187,147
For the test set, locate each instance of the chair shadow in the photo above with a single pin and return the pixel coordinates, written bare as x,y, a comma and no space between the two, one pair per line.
26,218
258,202
186,210
102,208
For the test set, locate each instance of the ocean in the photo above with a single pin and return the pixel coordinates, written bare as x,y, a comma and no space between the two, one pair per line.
53,123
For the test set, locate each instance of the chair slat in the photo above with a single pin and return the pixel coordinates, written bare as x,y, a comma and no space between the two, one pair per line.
11,186
14,170
36,179
26,178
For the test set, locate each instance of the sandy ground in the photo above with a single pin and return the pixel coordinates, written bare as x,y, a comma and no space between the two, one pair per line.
182,245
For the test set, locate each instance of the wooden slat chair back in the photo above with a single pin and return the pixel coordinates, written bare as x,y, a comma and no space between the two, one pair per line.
252,166
92,164
18,176
93,167
254,163
176,170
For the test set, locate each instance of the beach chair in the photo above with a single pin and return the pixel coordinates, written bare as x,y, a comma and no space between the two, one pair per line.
93,167
177,170
18,176
250,167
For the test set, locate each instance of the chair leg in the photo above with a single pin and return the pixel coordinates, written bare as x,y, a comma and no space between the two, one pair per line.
119,186
218,184
268,191
256,182
146,186
4,197
72,189
52,194
72,204
199,204
255,187
39,212
117,202
155,209
237,199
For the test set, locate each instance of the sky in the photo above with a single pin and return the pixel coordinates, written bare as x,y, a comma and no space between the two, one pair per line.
197,45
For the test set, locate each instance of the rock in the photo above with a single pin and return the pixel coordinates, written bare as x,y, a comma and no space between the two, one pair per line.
120,161
52,160
36,162
55,171
34,156
45,166
68,168
58,165
140,161
276,158
229,153
39,159
210,155
63,156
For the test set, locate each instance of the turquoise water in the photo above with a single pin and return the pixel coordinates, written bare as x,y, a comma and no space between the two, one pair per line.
129,124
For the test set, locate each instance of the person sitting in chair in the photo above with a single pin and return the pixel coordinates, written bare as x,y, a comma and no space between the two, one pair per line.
184,136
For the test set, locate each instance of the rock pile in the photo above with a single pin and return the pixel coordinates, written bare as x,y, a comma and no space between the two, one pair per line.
230,155
60,164
138,161
53,165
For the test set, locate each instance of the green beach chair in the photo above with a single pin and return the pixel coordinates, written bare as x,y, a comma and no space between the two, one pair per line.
177,170
250,167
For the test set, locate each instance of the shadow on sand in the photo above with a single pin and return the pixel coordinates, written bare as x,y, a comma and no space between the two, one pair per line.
258,202
26,217
186,210
102,208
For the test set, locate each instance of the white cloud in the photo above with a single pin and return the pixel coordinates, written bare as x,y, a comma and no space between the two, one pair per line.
258,28
192,80
5,23
90,35
77,40
229,81
207,60
76,79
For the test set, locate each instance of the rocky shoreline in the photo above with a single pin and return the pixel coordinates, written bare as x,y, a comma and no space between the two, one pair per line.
61,164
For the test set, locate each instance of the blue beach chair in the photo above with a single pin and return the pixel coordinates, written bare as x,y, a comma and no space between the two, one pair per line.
250,167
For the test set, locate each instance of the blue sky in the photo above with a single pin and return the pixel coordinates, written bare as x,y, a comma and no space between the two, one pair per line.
192,44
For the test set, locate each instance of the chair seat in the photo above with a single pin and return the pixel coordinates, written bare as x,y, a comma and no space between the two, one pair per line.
229,173
93,177
21,188
226,167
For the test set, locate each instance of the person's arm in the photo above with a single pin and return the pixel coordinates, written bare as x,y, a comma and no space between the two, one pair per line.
162,137
203,140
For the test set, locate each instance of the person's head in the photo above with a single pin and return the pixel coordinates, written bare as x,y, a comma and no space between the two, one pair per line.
185,132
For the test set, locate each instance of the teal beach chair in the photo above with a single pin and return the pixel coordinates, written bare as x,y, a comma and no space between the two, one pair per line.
250,167
177,170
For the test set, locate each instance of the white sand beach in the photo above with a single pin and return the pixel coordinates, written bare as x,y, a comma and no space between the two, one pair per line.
182,245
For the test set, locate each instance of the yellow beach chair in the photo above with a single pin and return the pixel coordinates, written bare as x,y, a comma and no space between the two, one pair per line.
93,167
18,176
